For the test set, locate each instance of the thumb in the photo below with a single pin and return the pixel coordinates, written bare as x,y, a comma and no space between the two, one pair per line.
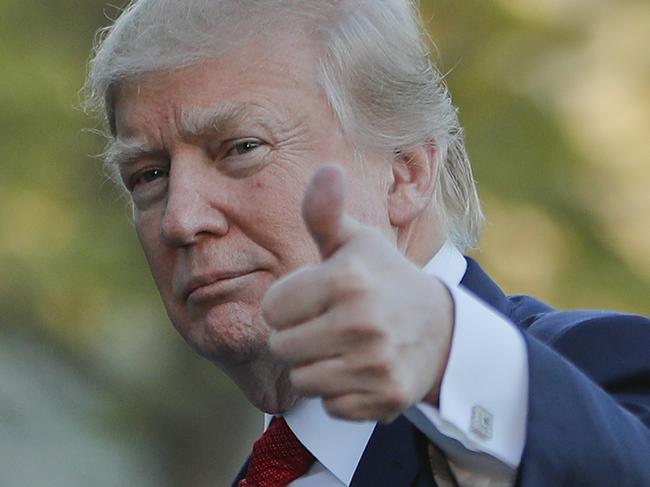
323,210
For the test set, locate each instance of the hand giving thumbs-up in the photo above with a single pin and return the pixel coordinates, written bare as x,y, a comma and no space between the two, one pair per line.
365,329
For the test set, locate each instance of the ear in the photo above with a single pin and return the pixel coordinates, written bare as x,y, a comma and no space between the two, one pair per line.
414,180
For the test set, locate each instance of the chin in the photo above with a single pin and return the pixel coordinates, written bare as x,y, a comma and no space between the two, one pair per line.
266,385
235,338
228,334
280,406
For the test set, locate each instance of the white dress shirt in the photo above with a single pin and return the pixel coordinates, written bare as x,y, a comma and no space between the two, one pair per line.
481,420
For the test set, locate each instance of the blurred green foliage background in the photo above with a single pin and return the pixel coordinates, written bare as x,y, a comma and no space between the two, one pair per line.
95,386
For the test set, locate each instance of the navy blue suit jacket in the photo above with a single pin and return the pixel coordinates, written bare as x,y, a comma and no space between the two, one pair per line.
589,402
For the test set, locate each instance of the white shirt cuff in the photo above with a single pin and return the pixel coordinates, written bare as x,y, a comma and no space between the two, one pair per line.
483,401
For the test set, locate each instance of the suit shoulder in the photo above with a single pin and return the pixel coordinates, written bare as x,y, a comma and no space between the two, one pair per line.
606,344
557,326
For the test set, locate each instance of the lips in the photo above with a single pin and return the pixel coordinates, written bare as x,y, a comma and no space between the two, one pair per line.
206,286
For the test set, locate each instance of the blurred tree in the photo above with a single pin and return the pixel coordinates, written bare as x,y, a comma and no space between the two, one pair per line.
554,97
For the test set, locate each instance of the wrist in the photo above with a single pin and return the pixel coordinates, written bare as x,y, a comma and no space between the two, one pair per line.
444,326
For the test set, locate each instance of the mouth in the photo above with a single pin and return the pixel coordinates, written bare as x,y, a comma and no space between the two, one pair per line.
208,288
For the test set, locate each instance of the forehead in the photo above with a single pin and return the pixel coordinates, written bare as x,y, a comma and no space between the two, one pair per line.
281,71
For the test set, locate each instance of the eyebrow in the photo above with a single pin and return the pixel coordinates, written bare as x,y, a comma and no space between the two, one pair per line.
120,153
225,117
193,122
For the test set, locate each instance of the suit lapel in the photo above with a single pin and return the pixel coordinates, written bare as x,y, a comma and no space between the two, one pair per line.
395,456
479,283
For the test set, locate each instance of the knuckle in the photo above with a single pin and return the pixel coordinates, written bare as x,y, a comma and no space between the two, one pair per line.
310,380
395,400
301,276
361,331
348,277
274,299
268,306
281,345
299,378
276,345
336,408
364,323
369,312
379,368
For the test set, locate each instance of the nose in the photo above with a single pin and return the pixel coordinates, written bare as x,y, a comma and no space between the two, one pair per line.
192,208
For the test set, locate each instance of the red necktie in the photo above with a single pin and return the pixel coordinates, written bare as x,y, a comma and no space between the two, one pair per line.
278,458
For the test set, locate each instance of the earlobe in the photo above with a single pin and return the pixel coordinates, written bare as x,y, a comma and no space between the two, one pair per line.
414,175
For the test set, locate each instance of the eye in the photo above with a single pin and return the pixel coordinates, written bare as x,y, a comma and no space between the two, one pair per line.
243,147
147,176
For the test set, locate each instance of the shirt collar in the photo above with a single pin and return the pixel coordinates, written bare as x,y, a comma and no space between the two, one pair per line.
336,443
448,265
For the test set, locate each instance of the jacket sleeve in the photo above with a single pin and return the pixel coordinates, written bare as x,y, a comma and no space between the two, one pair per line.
589,401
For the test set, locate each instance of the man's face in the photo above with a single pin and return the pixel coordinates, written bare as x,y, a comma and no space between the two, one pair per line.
217,157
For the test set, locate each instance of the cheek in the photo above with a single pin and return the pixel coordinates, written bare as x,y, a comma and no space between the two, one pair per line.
146,236
278,225
367,204
147,226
